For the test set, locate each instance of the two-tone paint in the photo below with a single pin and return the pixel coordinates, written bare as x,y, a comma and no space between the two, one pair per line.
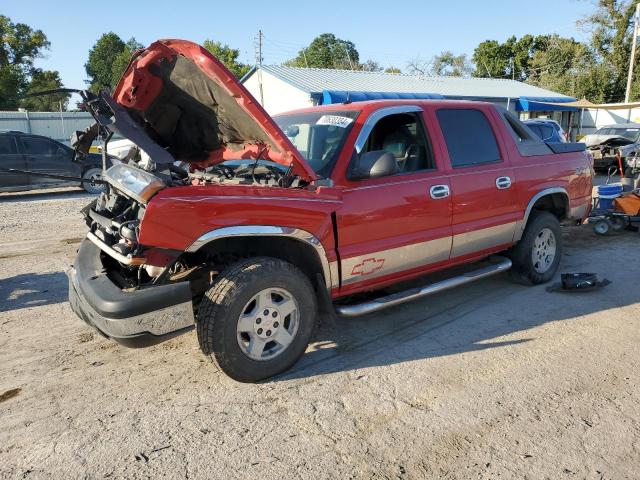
376,232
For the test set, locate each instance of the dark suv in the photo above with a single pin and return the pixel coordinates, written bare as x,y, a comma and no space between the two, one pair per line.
36,153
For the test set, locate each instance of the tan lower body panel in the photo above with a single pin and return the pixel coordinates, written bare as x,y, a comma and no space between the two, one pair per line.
385,262
478,240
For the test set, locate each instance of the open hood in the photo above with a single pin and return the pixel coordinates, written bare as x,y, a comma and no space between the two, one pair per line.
594,140
191,105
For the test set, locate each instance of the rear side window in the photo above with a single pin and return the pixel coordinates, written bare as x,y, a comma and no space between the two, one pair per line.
469,137
38,146
7,145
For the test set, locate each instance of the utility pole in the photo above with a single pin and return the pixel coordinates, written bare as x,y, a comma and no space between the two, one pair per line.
259,64
636,18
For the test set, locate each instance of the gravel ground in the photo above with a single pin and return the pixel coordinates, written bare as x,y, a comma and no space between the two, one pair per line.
492,380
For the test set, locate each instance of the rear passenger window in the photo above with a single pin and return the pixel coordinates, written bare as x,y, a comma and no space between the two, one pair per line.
7,145
469,137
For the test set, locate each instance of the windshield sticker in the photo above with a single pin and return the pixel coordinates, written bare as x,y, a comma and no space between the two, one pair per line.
335,120
633,129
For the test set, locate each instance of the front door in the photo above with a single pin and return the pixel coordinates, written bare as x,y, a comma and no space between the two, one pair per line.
394,227
485,209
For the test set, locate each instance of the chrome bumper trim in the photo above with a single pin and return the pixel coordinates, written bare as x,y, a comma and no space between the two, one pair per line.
126,260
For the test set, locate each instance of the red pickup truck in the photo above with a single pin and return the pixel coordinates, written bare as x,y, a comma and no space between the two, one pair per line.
247,226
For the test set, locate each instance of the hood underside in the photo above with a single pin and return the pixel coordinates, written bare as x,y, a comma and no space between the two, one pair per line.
607,140
191,105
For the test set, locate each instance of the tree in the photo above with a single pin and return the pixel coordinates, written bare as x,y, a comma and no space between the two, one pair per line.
505,60
443,64
121,60
228,56
100,65
392,70
611,35
448,64
371,66
20,46
327,51
41,81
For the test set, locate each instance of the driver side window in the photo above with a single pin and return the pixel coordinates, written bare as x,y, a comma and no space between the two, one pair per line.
403,135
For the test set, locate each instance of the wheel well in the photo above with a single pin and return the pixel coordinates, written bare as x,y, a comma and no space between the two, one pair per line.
556,203
296,252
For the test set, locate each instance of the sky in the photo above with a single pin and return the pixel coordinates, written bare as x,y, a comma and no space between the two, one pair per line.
391,33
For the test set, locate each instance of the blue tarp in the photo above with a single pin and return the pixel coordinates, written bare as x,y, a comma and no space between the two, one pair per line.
530,104
337,96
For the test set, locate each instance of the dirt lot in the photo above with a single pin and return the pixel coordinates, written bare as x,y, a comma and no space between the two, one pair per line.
493,380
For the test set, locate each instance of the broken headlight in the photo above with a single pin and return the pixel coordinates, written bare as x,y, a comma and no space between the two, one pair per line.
133,182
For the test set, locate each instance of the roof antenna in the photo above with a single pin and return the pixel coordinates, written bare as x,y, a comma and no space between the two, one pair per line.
348,100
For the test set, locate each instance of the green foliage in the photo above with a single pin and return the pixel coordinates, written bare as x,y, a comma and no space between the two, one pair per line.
392,70
446,63
228,56
121,61
45,80
20,46
371,66
327,51
100,65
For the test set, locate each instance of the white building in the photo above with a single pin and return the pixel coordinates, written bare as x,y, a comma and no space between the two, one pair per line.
281,88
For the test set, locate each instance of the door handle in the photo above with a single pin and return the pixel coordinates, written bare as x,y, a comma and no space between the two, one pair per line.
502,183
439,191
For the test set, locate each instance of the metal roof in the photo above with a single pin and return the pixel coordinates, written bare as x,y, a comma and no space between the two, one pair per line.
315,80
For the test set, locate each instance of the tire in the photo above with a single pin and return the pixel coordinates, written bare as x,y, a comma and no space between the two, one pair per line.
89,187
602,227
542,229
232,314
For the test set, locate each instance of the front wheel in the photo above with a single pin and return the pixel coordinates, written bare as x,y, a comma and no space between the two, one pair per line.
89,181
537,256
257,318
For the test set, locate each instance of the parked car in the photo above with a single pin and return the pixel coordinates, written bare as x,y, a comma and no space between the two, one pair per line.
547,130
39,154
608,141
313,210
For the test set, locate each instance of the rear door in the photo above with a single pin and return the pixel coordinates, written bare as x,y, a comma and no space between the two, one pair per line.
48,156
484,204
392,227
10,157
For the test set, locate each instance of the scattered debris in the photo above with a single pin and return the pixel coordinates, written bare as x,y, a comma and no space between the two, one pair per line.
14,392
578,282
85,337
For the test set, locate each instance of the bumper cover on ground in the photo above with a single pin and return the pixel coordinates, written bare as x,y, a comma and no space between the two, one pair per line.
140,318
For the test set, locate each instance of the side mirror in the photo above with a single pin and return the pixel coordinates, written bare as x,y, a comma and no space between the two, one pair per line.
378,163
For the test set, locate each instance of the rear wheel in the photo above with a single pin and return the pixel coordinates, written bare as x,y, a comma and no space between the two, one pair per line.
257,318
537,256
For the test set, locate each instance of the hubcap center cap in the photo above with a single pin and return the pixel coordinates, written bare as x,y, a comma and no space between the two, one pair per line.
267,323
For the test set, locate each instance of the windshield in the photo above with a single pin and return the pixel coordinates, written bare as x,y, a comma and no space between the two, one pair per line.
318,136
628,133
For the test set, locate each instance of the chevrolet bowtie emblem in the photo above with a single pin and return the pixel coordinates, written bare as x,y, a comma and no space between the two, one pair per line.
367,266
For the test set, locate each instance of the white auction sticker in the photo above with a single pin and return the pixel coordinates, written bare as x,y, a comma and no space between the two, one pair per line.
335,120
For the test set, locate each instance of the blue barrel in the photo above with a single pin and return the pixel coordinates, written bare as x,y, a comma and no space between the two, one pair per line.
606,194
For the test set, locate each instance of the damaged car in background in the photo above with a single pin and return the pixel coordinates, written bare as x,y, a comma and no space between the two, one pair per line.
247,226
607,142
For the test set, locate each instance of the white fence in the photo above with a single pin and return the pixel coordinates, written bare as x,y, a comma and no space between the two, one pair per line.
56,125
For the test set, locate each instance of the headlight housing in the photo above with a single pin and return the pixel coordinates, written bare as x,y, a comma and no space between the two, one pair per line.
133,182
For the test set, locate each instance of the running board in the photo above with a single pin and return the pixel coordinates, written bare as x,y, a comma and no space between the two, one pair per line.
414,293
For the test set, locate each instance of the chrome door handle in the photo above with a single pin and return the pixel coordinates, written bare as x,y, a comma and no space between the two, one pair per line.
502,183
439,191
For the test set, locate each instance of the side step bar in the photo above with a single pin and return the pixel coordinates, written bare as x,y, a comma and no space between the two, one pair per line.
414,293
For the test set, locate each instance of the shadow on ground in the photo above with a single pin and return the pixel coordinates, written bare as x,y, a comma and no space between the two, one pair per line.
32,290
475,317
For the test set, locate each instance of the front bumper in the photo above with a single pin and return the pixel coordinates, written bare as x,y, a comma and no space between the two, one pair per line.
135,319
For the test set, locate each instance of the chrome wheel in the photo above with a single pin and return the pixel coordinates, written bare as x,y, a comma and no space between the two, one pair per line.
544,250
268,324
89,181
